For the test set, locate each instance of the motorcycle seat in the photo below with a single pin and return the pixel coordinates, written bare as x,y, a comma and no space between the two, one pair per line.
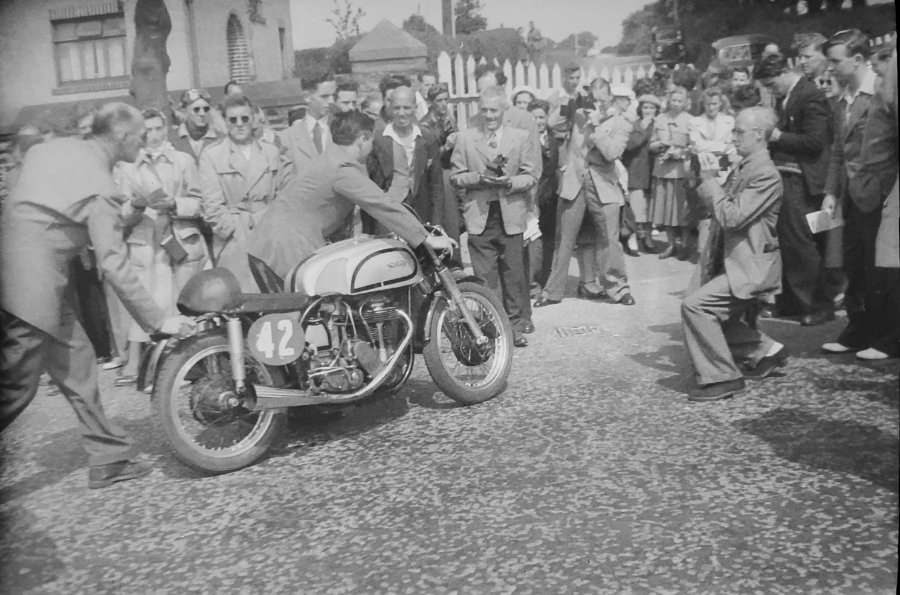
264,303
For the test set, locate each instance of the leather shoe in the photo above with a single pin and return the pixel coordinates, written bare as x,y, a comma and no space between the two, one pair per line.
767,365
816,318
627,249
766,311
667,253
541,302
101,476
584,292
717,390
519,340
527,327
626,300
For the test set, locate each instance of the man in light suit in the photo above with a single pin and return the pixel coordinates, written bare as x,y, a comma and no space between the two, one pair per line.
589,184
405,162
62,201
315,206
498,204
308,137
746,211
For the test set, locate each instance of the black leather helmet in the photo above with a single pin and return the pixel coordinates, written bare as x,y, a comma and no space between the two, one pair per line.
214,290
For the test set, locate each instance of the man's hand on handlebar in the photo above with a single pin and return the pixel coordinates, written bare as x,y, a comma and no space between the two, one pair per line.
440,243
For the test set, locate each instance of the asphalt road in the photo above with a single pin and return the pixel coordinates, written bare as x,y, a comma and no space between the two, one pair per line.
591,473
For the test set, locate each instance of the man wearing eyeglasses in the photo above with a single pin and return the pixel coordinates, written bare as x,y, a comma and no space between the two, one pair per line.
239,177
748,268
197,131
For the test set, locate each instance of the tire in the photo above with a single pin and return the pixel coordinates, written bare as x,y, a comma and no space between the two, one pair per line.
174,383
445,329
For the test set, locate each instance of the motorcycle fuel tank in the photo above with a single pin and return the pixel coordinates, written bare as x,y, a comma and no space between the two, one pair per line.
358,265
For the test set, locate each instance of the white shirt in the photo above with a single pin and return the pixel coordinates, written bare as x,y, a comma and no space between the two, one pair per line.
407,142
323,123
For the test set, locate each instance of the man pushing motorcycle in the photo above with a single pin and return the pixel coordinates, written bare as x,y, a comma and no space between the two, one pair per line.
317,205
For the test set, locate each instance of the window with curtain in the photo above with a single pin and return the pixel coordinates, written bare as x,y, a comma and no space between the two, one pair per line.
90,49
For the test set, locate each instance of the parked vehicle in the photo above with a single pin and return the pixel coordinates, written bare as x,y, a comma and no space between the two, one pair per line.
741,50
348,327
667,45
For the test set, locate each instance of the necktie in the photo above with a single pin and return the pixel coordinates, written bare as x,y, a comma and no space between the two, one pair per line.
317,137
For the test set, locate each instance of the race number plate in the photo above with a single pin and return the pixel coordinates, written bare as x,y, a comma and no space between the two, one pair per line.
276,339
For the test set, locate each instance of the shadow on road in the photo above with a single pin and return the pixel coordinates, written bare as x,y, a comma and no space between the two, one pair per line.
670,357
834,445
58,455
28,558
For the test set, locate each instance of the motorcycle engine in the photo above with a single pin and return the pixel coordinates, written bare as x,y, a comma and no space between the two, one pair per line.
363,338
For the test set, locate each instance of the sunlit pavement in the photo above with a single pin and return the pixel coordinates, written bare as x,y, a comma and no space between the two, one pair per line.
591,473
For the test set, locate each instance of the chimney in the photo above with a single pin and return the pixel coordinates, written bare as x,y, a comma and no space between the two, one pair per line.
447,14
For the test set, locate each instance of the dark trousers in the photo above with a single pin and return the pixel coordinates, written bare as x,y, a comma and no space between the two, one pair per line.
886,295
497,258
864,305
26,351
801,251
716,334
92,308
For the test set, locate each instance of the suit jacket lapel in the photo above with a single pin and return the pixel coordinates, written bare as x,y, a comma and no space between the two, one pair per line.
481,146
857,111
302,140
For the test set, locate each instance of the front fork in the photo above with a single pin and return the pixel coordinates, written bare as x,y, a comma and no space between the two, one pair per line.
235,332
456,298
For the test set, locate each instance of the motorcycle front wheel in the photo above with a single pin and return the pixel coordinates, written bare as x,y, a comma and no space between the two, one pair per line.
195,403
467,372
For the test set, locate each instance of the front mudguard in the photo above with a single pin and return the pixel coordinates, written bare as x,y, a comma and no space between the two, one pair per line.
429,305
151,359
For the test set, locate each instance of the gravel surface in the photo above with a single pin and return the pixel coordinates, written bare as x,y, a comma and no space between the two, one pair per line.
592,473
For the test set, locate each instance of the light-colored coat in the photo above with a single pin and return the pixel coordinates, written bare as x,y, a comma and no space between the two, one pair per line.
236,192
747,214
298,143
61,203
470,158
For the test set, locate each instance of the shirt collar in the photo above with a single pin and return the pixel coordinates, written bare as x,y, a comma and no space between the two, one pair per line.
392,134
310,121
164,153
183,132
866,87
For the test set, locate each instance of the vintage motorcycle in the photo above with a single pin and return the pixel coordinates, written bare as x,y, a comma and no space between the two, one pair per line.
346,324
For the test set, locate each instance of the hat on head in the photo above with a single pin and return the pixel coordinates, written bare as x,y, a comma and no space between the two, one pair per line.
619,90
648,98
192,95
436,90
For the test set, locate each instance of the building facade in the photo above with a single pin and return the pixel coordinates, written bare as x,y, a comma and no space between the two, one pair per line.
64,51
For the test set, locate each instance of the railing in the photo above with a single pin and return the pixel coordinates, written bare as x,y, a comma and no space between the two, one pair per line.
458,72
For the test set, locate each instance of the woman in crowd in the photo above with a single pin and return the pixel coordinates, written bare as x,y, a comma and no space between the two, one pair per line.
522,97
670,144
640,167
239,177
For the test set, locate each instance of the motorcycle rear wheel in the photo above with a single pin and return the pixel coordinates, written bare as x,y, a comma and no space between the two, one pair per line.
451,348
189,406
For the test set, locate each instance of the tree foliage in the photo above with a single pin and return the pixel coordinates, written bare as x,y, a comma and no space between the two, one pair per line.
468,17
704,21
345,19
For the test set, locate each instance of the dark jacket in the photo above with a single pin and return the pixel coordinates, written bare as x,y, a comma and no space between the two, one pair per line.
637,157
846,152
547,185
440,129
806,132
426,196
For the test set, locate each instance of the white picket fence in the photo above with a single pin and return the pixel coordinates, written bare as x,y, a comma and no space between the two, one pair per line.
458,73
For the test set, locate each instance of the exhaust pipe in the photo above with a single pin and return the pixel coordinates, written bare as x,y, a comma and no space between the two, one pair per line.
269,397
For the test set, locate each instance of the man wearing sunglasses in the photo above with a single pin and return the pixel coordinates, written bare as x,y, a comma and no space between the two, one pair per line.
198,129
239,177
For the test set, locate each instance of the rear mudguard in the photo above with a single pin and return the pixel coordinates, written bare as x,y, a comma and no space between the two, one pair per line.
426,312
